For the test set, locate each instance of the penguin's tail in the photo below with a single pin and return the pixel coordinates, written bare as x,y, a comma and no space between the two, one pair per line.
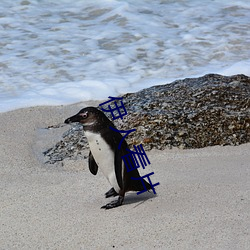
147,185
137,185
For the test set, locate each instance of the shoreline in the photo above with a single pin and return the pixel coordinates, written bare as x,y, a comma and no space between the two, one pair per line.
202,200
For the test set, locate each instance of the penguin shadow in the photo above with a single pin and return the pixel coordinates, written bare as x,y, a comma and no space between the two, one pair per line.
137,200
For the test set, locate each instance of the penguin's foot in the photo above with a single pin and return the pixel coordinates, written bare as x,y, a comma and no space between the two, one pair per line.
111,193
113,204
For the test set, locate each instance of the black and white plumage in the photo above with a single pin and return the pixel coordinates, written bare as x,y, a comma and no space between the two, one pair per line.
104,154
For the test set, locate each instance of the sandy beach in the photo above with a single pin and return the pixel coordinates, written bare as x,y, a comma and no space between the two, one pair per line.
202,202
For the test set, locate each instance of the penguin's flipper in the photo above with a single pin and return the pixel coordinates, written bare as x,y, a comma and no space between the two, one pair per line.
111,193
93,167
113,204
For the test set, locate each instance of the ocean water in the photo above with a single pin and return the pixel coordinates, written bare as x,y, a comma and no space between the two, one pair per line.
61,52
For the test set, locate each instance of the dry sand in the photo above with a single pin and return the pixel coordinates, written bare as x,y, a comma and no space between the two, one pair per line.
203,199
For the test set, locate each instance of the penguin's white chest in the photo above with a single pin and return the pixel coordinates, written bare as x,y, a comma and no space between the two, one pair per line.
104,157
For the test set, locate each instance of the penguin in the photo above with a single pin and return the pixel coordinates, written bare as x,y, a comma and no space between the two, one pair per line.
105,155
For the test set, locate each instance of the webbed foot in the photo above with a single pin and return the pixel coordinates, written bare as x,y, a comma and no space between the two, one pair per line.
113,204
111,193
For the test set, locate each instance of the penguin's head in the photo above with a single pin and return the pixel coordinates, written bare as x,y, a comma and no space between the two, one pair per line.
89,117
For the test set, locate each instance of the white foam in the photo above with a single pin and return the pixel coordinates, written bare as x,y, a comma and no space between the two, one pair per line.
242,67
61,52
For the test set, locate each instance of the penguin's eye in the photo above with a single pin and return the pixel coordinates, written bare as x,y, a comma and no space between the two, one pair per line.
84,115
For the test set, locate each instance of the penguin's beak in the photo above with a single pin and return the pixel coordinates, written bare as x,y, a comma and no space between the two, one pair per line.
74,118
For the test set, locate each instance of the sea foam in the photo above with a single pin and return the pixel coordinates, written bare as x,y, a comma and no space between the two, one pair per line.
63,52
